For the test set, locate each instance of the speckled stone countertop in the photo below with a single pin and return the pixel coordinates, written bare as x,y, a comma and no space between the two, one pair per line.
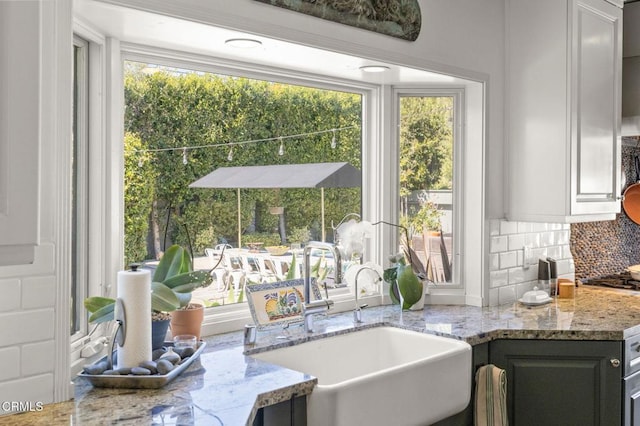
227,387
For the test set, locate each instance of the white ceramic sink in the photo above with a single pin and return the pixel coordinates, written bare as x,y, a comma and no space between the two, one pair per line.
381,376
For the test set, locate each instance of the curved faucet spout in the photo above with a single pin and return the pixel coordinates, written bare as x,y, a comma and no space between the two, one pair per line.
318,306
357,315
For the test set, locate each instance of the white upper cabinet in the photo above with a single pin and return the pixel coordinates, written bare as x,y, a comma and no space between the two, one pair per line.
20,76
563,110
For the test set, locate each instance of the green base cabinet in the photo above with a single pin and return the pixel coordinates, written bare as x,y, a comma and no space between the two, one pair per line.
561,382
287,413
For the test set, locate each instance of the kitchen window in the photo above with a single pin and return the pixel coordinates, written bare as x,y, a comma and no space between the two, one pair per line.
333,139
429,175
88,202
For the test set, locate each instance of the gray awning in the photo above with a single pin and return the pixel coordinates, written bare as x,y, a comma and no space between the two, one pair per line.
313,175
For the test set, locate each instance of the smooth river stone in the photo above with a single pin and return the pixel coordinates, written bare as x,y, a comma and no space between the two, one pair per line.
164,366
139,371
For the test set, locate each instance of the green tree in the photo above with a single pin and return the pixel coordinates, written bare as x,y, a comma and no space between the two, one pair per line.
426,146
138,196
170,110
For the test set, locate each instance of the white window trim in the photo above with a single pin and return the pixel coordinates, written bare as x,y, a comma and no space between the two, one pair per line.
86,345
233,317
457,93
469,179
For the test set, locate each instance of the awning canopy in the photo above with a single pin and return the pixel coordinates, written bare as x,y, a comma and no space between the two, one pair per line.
313,175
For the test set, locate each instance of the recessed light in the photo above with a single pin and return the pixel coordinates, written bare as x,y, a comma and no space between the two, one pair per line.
374,68
243,43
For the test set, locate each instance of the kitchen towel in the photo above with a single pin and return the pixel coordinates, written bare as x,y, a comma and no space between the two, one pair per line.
134,289
491,397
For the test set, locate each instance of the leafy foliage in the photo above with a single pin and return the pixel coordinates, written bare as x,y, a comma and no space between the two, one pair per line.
173,281
169,110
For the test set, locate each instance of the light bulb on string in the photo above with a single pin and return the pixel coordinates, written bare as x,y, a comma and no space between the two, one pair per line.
281,149
230,156
334,143
185,160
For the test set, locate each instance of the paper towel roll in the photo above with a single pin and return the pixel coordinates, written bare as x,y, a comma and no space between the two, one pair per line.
134,289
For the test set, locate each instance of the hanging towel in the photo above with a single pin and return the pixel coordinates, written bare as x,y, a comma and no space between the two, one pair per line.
491,397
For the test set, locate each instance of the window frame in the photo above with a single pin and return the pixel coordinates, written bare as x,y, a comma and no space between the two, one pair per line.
89,230
227,318
458,95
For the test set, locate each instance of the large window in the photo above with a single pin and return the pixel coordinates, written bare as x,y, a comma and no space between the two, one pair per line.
429,158
184,122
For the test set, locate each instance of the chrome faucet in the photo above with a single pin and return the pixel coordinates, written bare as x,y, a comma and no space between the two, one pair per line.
357,312
318,306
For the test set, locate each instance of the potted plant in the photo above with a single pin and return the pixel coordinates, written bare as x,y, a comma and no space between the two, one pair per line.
171,285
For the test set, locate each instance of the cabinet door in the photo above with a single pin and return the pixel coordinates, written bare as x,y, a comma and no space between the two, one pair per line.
596,76
19,130
286,413
561,382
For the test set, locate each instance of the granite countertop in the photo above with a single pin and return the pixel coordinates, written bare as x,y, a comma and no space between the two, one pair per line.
227,387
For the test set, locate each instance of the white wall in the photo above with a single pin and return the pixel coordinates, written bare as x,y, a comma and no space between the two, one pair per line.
34,314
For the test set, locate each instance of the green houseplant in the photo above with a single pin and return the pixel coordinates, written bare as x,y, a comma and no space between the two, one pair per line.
172,285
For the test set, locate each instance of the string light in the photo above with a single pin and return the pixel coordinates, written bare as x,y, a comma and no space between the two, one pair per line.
184,149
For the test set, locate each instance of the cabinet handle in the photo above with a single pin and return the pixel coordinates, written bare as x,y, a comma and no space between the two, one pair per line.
615,363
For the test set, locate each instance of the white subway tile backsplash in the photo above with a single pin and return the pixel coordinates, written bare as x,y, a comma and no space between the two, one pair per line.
499,244
515,242
493,296
499,278
27,327
38,292
34,389
494,227
506,295
524,227
532,240
508,259
516,275
554,252
10,299
547,239
10,361
37,359
509,276
539,227
507,228
494,261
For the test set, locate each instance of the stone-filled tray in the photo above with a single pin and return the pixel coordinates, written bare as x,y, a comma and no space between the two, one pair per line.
142,382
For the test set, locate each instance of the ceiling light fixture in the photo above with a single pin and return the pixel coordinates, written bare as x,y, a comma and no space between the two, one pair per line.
374,68
243,43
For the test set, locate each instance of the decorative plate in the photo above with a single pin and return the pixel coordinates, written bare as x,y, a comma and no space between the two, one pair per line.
279,302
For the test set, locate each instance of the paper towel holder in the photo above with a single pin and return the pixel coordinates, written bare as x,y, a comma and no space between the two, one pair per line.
120,317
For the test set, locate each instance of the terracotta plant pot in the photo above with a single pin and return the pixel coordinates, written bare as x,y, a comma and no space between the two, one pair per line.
187,321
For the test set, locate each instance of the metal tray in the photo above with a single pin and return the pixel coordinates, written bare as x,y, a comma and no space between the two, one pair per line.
142,382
